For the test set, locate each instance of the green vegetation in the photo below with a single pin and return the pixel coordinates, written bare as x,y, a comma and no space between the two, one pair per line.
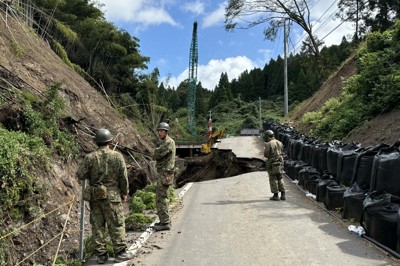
42,119
66,32
19,156
59,49
21,190
88,247
138,221
18,50
143,203
374,90
26,153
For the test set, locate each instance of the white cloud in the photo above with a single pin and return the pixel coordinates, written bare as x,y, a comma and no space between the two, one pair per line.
146,12
196,7
209,74
216,17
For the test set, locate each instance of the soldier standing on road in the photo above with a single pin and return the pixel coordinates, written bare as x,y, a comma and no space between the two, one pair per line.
164,155
273,153
108,188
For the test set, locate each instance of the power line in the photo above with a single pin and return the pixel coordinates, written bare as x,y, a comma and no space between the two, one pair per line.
297,45
333,30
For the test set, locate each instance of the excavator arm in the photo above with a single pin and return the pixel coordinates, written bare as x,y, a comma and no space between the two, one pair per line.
206,147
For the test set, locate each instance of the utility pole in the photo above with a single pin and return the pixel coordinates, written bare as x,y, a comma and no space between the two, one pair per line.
259,98
210,125
285,82
82,224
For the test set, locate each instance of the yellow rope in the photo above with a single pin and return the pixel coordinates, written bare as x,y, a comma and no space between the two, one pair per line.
62,235
51,240
40,217
48,242
45,244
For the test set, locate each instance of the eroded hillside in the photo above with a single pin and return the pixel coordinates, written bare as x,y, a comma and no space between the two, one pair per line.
29,65
383,128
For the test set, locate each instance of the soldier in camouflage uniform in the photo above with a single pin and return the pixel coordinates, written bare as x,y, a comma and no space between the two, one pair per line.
164,155
108,188
273,153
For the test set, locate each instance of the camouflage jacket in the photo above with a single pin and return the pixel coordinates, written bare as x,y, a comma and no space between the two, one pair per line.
273,151
107,167
164,155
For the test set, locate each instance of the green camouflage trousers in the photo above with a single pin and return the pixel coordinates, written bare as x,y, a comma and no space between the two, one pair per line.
107,215
276,183
162,202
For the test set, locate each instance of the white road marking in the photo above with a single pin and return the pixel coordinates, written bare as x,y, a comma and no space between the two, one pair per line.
146,234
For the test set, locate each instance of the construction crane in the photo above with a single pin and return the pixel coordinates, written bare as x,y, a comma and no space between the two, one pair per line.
193,63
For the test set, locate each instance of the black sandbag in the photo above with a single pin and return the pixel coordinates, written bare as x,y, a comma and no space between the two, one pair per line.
353,199
311,185
299,165
291,148
345,167
310,178
284,138
332,159
315,157
305,153
297,148
289,167
385,171
294,147
334,197
306,173
380,220
398,231
321,188
363,166
323,160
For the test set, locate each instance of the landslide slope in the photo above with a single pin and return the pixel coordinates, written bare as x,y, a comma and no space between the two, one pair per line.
29,65
383,128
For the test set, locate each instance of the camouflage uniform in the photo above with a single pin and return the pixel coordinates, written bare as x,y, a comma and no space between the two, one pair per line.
165,164
273,150
106,167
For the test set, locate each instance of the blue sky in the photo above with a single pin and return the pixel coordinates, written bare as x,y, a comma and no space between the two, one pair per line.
164,28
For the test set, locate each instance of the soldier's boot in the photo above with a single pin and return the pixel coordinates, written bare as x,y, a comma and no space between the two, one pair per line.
162,226
123,256
283,196
102,258
274,197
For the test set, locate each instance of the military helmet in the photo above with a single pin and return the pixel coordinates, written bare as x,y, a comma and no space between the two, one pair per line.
163,126
269,133
103,136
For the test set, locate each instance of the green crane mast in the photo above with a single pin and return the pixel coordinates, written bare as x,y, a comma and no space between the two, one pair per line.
193,63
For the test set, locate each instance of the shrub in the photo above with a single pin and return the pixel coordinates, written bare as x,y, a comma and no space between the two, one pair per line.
137,221
19,156
136,205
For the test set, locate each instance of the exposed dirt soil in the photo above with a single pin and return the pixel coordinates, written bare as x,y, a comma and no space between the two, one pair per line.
384,128
331,88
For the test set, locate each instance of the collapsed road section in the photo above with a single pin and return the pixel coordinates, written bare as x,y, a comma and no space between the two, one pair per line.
224,162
